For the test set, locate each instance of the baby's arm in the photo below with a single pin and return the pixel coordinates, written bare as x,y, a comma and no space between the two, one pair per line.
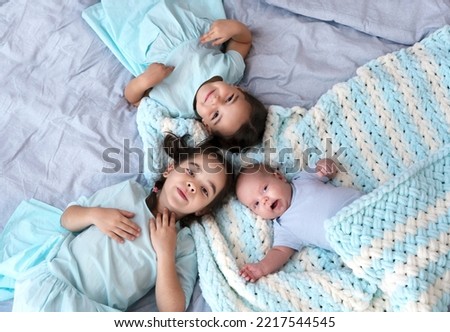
169,292
237,35
274,260
140,85
326,167
113,222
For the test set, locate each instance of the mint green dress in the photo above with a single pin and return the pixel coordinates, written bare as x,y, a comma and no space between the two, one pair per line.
46,268
166,31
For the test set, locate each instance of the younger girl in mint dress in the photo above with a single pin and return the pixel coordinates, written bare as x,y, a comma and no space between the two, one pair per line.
173,48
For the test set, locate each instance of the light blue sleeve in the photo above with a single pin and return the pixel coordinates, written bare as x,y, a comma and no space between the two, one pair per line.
102,196
303,175
186,262
236,67
284,238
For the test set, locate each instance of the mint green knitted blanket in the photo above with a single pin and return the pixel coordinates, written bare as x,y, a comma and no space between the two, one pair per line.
389,127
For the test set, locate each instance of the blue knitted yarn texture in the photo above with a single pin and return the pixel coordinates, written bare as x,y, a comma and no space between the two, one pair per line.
389,127
398,237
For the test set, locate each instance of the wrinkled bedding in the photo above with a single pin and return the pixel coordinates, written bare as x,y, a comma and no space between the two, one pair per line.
67,130
302,48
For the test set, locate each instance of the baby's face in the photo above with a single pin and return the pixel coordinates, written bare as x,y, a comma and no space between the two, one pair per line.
267,194
222,107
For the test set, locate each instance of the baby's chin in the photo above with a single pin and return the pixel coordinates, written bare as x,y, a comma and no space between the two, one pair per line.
272,216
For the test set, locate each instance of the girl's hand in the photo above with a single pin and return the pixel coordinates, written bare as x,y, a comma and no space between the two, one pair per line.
326,167
163,234
168,290
237,36
142,84
156,73
116,223
221,31
252,272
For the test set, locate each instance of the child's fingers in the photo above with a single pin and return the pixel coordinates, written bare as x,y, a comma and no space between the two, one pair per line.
205,38
248,274
247,277
214,40
210,36
168,218
115,237
172,220
128,229
126,213
130,226
124,234
157,221
320,172
323,170
165,218
219,41
169,69
243,274
152,225
244,271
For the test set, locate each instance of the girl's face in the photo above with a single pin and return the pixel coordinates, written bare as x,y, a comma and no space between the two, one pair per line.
222,107
192,185
267,194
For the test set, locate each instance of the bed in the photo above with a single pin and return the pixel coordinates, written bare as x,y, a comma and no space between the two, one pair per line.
68,131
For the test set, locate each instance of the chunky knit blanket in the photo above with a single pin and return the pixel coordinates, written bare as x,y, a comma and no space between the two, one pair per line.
389,127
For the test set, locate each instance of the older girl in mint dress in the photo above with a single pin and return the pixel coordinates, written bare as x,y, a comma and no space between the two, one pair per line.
123,241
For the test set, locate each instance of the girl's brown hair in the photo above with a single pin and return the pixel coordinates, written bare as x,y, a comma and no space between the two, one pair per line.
250,133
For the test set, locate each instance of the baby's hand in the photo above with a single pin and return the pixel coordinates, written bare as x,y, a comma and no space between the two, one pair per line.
326,167
221,31
163,234
116,223
252,272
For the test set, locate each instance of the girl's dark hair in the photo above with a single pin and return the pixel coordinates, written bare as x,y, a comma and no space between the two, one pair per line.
176,148
250,133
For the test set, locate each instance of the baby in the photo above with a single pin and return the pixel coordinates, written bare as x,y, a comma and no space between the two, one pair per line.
298,209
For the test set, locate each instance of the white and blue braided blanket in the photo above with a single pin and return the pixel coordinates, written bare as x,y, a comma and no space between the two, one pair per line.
389,127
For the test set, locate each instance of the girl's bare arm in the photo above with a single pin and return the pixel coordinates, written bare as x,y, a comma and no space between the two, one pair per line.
115,223
169,292
236,34
139,86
